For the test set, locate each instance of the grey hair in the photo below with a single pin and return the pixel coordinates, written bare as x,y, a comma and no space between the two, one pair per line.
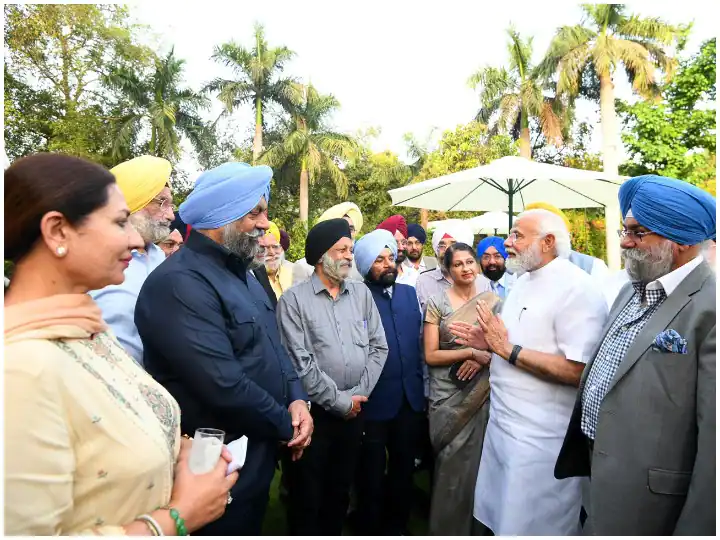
550,223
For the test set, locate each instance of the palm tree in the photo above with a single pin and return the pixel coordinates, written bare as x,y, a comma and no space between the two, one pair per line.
258,80
160,104
513,97
312,145
608,39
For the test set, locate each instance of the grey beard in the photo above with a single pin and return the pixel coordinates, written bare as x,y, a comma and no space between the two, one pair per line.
647,266
527,261
150,231
333,269
273,266
244,245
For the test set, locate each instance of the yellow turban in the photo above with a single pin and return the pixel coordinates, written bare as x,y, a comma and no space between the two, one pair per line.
274,231
141,179
344,209
549,208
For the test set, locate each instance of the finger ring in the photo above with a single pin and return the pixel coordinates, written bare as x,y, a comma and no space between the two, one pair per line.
229,499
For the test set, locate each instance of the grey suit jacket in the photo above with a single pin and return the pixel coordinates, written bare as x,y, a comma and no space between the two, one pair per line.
653,461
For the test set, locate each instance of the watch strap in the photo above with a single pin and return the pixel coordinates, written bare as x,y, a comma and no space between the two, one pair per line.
514,354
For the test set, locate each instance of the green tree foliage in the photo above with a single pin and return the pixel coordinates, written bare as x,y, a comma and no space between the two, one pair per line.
59,52
313,146
158,104
258,81
608,39
675,136
511,97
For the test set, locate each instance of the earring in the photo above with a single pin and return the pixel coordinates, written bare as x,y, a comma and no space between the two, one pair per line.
61,251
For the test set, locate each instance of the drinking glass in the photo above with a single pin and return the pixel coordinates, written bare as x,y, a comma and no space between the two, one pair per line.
206,449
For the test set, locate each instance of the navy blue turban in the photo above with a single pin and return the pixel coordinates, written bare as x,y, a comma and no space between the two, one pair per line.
418,232
492,241
674,209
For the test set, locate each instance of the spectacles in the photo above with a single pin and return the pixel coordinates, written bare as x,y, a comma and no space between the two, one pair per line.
275,247
634,235
164,204
494,256
402,243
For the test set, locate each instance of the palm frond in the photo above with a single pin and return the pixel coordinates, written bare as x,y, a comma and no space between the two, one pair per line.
550,123
571,41
336,175
639,67
509,112
648,28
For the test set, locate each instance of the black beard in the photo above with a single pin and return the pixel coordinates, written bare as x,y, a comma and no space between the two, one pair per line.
414,257
495,274
387,279
401,256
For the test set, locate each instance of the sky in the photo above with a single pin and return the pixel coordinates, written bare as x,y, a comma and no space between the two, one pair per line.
398,65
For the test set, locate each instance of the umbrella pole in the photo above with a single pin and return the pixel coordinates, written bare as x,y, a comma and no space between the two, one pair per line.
510,205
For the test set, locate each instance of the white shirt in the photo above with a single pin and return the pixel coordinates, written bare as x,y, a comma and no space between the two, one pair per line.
555,310
410,274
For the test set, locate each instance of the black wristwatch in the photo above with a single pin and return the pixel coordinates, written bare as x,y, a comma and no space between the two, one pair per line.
514,354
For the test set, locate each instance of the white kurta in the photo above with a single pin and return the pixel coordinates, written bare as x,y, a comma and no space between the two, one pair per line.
557,309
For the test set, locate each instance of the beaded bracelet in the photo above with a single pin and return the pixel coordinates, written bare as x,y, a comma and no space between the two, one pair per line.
153,525
179,523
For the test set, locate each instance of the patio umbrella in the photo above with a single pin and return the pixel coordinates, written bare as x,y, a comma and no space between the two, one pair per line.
508,183
489,223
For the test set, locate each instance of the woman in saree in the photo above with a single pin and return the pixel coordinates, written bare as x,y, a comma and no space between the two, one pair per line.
459,395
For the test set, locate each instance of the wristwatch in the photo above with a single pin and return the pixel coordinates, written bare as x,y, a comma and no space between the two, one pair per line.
309,404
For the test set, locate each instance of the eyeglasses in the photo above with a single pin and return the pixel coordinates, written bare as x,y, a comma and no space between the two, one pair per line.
165,204
402,243
495,256
634,235
275,247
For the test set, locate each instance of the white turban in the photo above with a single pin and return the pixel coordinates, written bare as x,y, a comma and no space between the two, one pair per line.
459,231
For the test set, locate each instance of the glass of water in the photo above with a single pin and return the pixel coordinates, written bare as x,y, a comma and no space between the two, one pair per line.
206,449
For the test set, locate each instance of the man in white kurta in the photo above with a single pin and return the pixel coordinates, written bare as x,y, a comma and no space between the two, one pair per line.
549,322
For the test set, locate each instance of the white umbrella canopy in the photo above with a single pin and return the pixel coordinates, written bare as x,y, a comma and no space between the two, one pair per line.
489,223
509,183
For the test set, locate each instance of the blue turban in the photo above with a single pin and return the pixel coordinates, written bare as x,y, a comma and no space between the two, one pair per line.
418,232
492,241
225,194
674,209
369,247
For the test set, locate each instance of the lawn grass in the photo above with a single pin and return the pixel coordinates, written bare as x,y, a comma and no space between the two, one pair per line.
275,515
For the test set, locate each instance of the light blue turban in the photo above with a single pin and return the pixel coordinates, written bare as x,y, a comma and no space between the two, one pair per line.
674,209
492,241
225,194
369,247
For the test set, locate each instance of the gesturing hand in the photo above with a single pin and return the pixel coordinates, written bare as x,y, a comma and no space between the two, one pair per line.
468,335
494,330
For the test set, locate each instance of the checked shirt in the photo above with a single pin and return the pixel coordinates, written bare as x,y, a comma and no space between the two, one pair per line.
621,335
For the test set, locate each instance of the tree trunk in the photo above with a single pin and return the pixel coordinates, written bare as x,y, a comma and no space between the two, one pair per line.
525,136
610,166
424,218
257,141
304,189
608,123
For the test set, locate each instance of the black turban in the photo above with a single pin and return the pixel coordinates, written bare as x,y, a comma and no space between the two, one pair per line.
323,236
418,232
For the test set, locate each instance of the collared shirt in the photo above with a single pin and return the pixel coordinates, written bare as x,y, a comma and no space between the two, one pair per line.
211,339
281,281
623,331
433,282
337,345
117,302
410,273
502,286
